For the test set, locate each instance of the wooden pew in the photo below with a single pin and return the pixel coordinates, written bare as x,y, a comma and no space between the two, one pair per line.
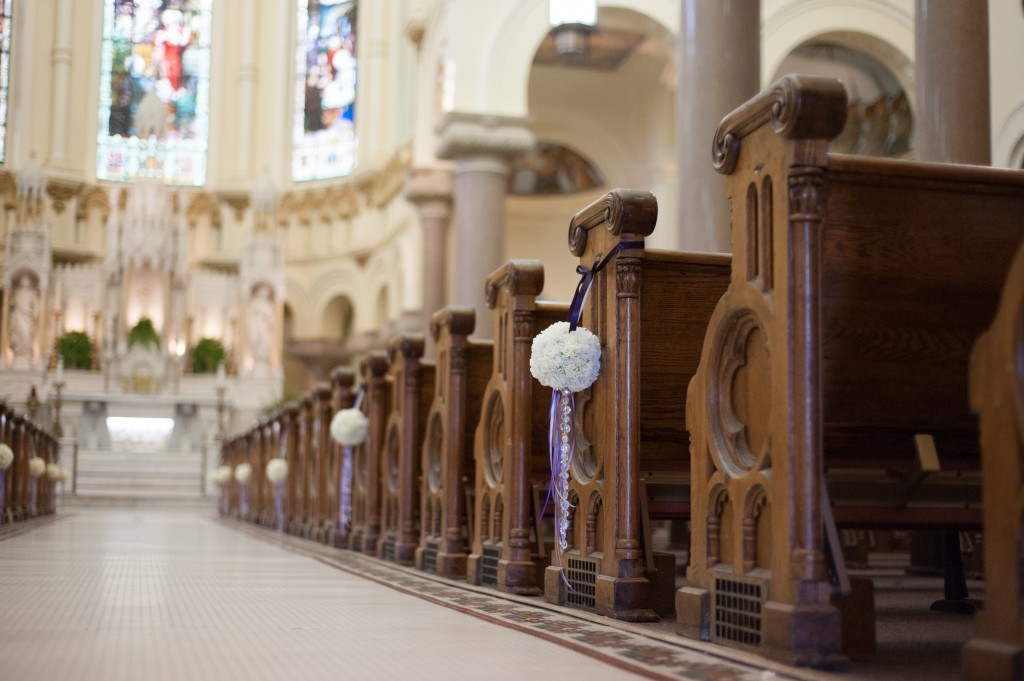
261,496
510,442
364,535
463,369
649,309
6,437
412,383
319,466
343,396
293,484
996,652
858,287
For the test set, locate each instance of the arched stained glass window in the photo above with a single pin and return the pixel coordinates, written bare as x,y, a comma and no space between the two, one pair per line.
324,136
155,73
5,71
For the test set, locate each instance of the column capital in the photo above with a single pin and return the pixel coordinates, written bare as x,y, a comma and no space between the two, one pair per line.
473,135
427,185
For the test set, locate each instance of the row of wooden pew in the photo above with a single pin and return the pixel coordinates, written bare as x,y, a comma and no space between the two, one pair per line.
817,378
24,495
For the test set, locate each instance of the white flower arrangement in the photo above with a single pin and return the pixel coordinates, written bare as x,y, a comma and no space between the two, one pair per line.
277,470
349,427
6,457
65,474
243,472
562,360
221,476
36,466
53,472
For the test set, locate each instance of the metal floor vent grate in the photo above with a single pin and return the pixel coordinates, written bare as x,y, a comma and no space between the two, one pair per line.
736,610
489,565
581,573
429,557
387,549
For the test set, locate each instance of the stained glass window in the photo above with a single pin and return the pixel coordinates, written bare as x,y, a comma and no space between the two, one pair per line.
324,136
155,60
5,70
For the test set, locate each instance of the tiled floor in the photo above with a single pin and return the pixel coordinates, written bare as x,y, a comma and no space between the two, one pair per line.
164,594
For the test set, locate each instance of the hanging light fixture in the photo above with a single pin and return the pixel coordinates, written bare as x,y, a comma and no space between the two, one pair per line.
572,21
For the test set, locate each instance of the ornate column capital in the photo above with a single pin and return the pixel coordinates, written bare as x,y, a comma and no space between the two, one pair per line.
468,135
428,185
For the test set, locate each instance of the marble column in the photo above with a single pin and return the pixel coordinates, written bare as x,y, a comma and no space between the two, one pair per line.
953,119
482,147
430,189
719,68
60,58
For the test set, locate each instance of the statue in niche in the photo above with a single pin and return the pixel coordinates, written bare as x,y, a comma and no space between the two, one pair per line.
261,324
24,314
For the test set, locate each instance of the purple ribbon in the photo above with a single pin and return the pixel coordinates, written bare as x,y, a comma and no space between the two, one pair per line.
224,500
279,506
32,502
587,278
3,489
345,489
245,500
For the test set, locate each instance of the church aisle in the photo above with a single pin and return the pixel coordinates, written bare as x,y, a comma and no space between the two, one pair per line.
165,594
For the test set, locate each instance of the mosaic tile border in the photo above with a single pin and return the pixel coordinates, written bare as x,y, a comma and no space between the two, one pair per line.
615,643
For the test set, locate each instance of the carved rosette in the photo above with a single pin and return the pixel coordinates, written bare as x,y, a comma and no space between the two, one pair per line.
741,414
459,359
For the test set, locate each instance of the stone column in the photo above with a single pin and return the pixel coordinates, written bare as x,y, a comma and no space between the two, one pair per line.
430,189
953,120
60,58
719,68
482,147
247,73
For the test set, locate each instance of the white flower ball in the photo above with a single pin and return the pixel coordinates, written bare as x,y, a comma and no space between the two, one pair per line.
36,466
562,359
53,472
6,457
349,426
65,474
243,472
277,470
222,475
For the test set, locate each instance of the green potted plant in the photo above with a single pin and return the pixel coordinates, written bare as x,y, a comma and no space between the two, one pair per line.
206,355
144,334
75,347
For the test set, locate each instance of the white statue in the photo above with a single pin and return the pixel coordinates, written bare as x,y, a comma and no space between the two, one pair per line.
24,314
261,324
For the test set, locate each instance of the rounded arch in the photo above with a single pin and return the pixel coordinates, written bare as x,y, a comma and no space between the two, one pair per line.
337,318
507,43
878,28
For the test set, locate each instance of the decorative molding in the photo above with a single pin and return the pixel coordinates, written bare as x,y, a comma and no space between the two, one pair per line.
94,198
522,326
459,359
797,106
806,194
202,204
627,278
61,192
238,202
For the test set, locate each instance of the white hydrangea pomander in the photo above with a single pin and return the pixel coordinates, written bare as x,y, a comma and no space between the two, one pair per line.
349,427
65,474
36,466
222,475
277,470
6,457
243,472
561,359
53,472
